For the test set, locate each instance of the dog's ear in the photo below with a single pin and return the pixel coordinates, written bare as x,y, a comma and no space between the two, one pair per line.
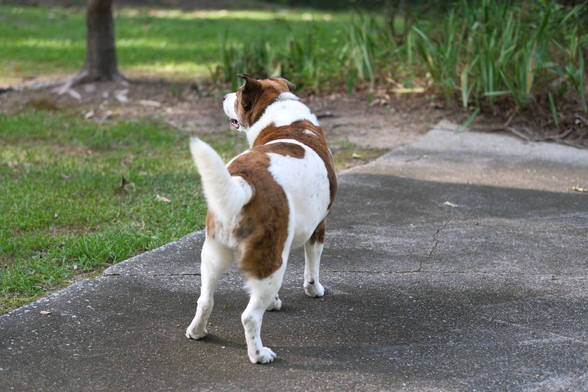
291,86
246,77
251,90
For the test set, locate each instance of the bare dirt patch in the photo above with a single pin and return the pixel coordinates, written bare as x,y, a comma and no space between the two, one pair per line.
357,130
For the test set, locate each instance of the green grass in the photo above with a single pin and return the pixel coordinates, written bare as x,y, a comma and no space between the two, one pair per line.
526,53
473,54
63,205
76,196
39,41
481,52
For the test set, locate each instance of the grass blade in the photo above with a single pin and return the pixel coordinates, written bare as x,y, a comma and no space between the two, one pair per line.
469,121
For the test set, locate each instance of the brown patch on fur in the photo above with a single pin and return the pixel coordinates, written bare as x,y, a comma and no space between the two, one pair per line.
262,227
286,149
315,140
256,95
211,224
319,233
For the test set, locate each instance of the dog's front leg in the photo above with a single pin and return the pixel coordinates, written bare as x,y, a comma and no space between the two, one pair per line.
215,260
312,257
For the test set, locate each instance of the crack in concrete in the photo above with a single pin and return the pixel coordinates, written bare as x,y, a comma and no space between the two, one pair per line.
421,263
433,249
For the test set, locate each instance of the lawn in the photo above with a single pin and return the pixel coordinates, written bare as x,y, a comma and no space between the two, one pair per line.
76,197
171,44
528,53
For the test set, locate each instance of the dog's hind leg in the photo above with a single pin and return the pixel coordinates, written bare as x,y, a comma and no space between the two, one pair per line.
263,293
275,304
313,250
216,259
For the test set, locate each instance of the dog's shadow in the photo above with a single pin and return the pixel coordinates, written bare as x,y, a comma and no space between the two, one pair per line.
323,359
215,340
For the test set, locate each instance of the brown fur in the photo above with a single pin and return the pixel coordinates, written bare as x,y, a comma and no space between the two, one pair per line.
211,224
262,226
316,141
319,233
256,95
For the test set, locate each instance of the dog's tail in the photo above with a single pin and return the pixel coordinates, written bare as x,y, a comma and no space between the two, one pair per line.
225,194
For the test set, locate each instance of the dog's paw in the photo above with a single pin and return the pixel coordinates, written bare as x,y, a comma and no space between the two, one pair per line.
195,335
314,289
276,304
265,355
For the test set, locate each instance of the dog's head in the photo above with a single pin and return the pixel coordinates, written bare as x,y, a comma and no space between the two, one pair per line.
247,105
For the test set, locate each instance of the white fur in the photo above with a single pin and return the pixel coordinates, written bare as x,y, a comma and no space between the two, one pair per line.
263,293
312,261
216,258
306,185
229,106
284,111
225,194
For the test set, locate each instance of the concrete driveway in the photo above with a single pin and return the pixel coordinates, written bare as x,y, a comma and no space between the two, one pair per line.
458,263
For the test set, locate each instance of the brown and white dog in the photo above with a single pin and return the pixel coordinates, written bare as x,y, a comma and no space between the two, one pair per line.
271,198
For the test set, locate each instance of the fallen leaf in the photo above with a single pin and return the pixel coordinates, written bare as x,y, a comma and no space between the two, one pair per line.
408,90
44,312
356,156
450,204
553,277
121,95
74,94
579,189
163,199
148,102
379,101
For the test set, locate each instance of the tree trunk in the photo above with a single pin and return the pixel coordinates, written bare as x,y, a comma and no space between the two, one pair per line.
101,63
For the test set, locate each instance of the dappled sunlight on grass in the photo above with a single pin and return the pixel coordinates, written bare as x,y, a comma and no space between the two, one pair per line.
284,14
43,41
171,71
